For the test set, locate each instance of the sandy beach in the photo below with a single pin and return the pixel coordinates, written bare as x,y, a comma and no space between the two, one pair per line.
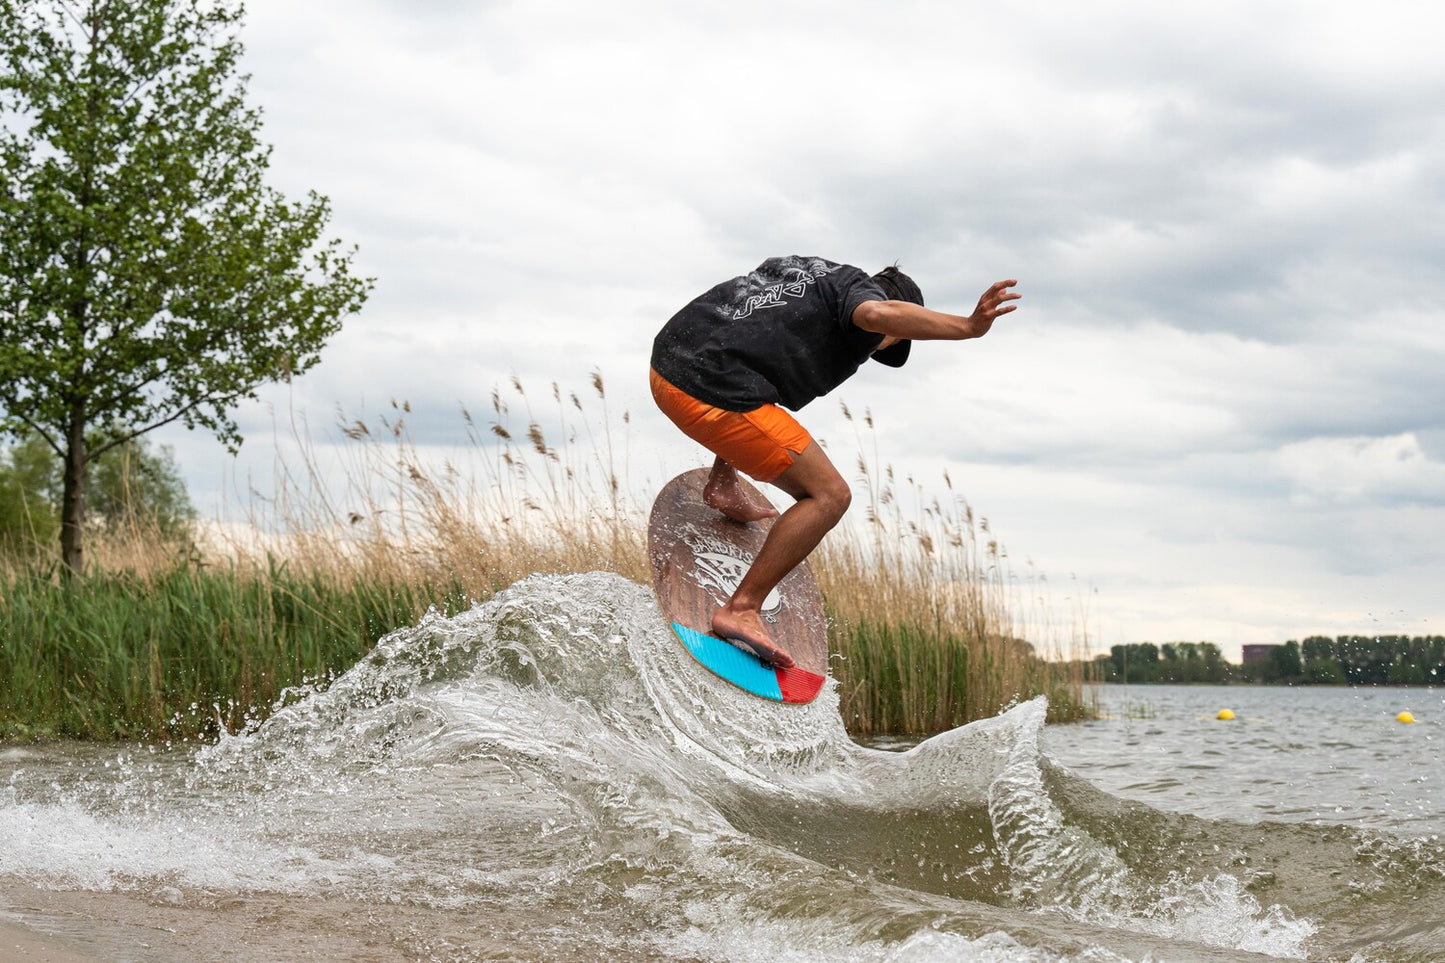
20,944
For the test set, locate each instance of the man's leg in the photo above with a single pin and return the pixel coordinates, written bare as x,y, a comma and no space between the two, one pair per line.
822,498
723,492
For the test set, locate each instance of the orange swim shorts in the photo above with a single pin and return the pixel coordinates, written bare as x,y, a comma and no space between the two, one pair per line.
762,442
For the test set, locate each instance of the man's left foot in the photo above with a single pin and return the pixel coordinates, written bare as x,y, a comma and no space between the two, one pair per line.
746,631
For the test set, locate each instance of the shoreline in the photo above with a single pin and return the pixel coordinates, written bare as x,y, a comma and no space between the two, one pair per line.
22,944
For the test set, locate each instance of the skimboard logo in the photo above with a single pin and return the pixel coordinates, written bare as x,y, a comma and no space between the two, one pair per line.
718,566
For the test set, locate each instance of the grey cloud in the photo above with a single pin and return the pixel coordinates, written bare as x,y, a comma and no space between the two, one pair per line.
1228,241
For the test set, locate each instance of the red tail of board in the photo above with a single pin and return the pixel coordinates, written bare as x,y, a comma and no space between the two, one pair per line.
799,685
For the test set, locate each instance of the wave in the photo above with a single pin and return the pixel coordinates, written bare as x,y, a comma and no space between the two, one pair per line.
551,761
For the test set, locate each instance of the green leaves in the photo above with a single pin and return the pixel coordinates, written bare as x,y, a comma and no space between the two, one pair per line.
147,273
130,486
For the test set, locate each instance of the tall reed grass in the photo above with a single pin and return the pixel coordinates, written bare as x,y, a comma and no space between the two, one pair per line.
165,638
182,650
928,619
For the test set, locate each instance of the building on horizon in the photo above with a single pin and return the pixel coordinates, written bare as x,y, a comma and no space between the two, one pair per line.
1255,653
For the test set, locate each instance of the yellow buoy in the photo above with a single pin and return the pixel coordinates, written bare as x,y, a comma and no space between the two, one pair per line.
1405,717
1225,714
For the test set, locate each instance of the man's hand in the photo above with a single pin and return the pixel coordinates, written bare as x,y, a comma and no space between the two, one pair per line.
994,304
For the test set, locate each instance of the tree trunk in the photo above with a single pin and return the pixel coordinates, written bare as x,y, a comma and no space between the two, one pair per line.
72,502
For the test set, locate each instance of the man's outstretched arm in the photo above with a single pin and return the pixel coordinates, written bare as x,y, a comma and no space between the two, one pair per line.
903,319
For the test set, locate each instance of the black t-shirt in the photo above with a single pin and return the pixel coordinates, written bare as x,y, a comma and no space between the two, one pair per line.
783,334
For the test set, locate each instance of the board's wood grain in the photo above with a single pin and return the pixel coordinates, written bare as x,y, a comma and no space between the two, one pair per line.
697,556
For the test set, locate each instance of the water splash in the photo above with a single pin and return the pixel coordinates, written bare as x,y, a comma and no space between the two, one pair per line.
553,754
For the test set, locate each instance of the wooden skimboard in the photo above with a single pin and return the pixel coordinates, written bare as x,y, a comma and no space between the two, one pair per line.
698,557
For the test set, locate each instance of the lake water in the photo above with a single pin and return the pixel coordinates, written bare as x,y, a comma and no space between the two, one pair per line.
1327,755
549,776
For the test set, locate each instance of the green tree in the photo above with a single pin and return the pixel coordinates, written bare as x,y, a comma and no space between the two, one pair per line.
1136,661
1318,648
135,483
27,496
147,273
130,483
1323,672
1284,663
1215,668
1102,669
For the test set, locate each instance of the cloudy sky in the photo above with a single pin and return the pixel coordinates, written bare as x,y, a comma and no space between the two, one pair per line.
1219,412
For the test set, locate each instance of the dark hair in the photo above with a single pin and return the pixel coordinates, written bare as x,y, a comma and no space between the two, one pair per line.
897,285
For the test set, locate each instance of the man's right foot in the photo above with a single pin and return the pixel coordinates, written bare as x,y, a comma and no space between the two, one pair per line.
746,630
736,504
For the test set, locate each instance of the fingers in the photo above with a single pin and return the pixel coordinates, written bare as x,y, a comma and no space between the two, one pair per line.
993,301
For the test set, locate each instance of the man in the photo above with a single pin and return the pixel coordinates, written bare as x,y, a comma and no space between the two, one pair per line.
790,331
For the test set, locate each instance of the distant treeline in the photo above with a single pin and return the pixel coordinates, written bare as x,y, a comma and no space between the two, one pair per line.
1170,662
1318,660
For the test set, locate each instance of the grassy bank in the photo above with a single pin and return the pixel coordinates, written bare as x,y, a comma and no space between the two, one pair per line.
179,651
165,640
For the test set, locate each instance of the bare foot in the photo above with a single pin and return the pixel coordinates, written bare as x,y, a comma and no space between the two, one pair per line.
735,503
745,630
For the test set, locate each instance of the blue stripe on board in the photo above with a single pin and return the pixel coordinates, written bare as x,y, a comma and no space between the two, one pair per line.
742,669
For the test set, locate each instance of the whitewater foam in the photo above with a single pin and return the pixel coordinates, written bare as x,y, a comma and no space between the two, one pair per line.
555,747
